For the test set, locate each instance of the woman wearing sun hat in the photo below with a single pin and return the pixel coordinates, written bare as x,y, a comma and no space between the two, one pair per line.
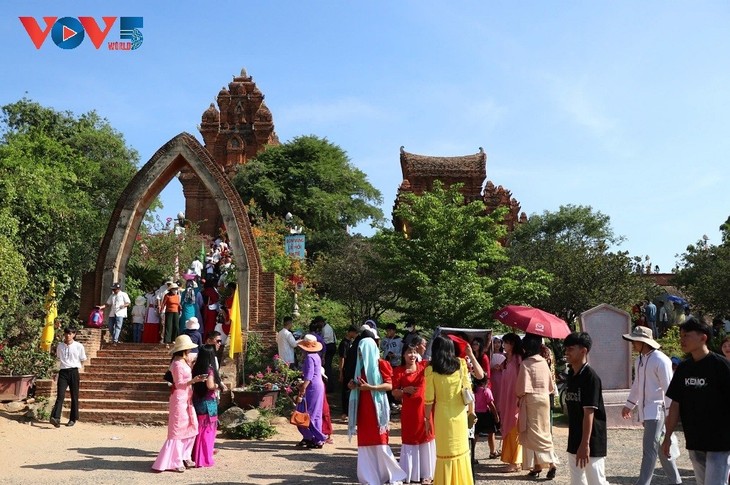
182,423
311,393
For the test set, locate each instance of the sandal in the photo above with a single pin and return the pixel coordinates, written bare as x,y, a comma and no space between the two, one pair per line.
189,464
493,455
302,444
315,446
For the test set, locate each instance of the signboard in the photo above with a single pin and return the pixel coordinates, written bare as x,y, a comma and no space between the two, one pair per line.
294,246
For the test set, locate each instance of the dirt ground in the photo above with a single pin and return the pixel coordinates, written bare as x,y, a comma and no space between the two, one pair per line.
105,454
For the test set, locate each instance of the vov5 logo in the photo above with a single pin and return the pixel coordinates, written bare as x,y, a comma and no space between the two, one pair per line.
69,32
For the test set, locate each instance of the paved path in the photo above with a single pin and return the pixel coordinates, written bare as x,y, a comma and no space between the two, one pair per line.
92,453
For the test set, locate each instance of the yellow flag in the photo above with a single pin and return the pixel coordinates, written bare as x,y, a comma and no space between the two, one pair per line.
234,336
51,315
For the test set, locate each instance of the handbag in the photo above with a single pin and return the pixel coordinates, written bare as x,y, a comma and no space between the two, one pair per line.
466,393
299,418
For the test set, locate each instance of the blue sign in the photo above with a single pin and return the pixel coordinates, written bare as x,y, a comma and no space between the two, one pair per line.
295,246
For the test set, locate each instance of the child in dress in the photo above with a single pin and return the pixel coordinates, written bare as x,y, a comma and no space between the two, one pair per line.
487,415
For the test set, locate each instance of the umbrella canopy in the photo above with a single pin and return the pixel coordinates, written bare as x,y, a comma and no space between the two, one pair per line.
533,320
677,299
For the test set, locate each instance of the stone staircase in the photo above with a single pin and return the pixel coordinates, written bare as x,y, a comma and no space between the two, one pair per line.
122,384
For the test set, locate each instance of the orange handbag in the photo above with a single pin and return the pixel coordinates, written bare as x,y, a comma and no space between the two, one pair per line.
299,418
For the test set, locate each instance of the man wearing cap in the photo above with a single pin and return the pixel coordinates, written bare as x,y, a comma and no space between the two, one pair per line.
117,303
70,355
391,345
700,394
652,374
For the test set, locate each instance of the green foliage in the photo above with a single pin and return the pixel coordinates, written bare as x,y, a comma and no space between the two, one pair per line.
259,429
60,175
26,360
42,409
350,274
572,245
313,179
704,275
449,269
670,342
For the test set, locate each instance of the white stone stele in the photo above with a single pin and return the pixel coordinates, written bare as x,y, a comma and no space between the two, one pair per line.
611,358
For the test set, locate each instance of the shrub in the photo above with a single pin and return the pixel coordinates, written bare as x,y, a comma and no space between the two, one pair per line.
26,360
259,429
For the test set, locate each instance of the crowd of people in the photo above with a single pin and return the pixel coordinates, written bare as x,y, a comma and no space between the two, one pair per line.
161,314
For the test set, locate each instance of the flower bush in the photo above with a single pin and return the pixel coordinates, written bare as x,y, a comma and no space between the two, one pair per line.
276,377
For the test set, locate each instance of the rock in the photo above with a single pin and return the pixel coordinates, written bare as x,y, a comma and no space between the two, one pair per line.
279,420
252,415
15,406
232,417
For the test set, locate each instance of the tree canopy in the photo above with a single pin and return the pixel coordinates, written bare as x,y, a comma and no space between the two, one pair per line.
60,175
705,274
313,179
450,268
573,244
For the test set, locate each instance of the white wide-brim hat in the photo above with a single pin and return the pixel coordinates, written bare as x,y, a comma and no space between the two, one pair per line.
642,334
192,323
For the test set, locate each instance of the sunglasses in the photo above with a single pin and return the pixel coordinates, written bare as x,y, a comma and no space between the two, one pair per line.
218,341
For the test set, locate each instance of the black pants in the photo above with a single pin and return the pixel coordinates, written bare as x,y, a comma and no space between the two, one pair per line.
331,351
345,399
67,378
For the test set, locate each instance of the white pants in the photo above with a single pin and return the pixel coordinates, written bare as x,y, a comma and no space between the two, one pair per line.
592,474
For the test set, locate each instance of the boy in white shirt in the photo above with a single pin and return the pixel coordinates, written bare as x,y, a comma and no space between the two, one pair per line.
70,354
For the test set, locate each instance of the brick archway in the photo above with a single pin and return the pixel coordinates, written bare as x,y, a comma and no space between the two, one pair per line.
256,288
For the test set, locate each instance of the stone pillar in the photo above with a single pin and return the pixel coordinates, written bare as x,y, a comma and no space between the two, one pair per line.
611,358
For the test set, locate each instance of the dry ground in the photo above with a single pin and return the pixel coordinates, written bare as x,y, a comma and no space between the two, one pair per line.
104,454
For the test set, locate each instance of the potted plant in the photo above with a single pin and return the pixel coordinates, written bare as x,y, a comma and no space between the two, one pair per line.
19,367
263,387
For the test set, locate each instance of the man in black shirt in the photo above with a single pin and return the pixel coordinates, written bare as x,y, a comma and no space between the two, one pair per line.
586,415
700,394
342,351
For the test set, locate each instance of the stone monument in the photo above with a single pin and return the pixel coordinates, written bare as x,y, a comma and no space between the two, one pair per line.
611,358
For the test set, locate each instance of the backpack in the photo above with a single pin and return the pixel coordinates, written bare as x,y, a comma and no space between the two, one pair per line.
96,318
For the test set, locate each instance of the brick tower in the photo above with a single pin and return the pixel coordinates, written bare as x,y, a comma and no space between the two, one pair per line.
233,133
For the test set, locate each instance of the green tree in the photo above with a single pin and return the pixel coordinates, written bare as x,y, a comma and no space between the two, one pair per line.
450,269
313,179
351,275
573,245
704,274
60,175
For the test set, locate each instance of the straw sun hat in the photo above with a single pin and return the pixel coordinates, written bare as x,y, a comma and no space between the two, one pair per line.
310,344
183,342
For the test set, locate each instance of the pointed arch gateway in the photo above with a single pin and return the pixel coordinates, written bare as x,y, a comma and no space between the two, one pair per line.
256,288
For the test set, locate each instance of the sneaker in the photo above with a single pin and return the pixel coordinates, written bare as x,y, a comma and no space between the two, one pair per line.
70,423
55,422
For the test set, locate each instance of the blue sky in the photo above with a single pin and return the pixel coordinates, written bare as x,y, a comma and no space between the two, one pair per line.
623,106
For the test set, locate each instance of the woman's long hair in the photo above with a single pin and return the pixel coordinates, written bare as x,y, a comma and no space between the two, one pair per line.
515,341
480,343
367,362
206,361
443,356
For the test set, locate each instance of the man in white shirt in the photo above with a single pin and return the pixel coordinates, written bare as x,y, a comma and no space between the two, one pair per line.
197,266
287,343
117,303
70,354
330,346
652,375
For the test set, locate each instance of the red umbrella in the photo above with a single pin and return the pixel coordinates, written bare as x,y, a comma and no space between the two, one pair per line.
533,320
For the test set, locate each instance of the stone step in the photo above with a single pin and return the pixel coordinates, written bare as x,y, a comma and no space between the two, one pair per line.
152,369
125,395
120,416
155,385
129,375
118,404
123,361
127,354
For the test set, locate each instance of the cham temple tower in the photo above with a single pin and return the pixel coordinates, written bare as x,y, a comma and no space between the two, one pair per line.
420,172
233,133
